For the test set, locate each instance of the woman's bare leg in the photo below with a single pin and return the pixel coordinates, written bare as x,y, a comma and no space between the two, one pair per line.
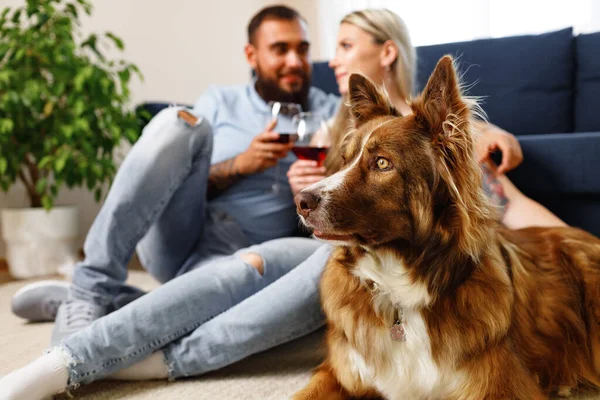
523,212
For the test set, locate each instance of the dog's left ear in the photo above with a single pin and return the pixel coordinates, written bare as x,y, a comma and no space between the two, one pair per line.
367,101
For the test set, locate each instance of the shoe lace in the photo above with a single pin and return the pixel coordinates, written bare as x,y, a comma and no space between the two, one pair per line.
51,307
80,314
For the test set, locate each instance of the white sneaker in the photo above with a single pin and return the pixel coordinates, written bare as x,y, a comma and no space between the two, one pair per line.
39,302
74,315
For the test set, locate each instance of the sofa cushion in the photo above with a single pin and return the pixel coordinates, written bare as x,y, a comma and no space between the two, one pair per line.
324,78
559,164
587,83
528,79
580,211
561,172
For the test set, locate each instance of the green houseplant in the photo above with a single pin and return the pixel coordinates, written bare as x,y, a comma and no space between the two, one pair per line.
63,104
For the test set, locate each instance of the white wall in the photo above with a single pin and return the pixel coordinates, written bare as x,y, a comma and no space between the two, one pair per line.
181,46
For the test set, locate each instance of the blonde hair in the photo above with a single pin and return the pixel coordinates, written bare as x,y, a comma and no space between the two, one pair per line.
386,25
383,25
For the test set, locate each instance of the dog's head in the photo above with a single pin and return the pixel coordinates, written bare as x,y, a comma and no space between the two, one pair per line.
404,178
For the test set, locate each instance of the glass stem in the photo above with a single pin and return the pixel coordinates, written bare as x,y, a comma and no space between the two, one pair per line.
276,183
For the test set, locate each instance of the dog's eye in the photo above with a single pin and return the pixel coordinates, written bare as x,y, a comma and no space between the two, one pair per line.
383,164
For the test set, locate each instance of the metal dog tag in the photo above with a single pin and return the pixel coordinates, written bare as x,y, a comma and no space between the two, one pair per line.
398,332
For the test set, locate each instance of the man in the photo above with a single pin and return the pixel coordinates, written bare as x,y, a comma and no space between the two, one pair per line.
192,190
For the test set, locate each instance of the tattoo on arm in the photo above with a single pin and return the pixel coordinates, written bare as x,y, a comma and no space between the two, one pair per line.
493,188
221,177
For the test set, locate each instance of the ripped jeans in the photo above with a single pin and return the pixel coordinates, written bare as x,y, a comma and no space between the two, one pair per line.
213,308
211,316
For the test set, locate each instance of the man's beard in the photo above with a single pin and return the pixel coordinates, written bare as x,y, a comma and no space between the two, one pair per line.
269,90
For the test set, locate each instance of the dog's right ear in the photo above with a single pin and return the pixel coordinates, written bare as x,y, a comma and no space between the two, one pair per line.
367,101
442,102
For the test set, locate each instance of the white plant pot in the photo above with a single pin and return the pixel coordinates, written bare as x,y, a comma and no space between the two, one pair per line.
39,242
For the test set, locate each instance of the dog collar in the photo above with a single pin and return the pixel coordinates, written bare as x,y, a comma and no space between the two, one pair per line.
397,331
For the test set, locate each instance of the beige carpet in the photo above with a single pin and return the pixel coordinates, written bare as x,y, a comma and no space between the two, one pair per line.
272,375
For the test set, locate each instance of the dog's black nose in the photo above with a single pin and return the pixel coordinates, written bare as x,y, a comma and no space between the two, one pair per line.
306,202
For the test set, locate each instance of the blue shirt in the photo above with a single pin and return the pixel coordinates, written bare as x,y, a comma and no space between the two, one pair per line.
237,114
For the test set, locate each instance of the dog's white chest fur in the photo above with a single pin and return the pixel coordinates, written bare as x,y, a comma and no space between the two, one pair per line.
408,370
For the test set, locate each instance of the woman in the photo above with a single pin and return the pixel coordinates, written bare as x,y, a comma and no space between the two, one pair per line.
374,42
377,44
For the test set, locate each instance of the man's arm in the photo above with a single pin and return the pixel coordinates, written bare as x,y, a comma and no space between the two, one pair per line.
222,176
263,153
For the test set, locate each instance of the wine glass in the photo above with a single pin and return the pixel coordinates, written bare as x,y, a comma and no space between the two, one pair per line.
312,141
282,108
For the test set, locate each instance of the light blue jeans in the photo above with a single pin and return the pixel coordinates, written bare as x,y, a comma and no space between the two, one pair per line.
213,308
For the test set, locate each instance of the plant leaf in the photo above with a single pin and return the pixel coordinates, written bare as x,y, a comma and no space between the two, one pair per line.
47,202
78,107
67,130
48,107
40,186
6,125
98,195
45,161
116,40
59,164
16,16
124,75
72,10
87,6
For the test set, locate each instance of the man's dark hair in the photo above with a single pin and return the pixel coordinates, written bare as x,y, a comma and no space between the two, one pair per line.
272,12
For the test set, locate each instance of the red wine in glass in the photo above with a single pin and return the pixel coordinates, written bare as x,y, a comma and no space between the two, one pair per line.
276,107
286,137
317,154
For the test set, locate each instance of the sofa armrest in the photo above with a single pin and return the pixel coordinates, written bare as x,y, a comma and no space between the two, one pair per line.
556,164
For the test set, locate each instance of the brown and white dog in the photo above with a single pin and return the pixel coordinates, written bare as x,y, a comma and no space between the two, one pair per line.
426,295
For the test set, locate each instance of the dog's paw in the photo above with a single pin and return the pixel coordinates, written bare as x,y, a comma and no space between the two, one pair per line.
564,391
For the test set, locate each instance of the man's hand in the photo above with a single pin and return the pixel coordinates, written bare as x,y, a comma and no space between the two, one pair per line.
263,152
304,173
260,155
493,139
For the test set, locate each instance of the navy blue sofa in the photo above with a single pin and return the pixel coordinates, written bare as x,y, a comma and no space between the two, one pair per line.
546,90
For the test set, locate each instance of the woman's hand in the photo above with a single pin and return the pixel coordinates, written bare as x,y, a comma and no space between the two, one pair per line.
304,173
492,139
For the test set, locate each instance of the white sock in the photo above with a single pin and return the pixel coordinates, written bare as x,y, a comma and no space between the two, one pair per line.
46,376
153,367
